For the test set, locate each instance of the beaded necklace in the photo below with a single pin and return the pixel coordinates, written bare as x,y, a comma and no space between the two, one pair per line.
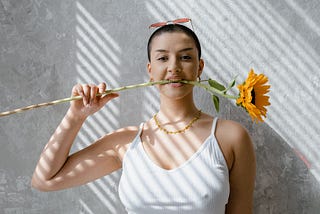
178,131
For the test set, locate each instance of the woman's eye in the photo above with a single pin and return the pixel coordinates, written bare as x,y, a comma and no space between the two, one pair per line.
163,58
186,57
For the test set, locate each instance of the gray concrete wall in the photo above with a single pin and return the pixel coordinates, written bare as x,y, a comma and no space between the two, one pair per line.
47,46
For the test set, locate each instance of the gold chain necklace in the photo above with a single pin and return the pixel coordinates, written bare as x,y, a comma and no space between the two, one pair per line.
178,131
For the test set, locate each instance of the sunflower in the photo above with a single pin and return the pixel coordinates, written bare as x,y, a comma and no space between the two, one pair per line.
252,95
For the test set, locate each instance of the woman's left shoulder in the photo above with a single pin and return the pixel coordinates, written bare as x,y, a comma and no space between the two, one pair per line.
232,130
233,134
235,142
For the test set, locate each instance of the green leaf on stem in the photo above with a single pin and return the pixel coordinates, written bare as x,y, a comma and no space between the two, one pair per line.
215,100
216,85
231,84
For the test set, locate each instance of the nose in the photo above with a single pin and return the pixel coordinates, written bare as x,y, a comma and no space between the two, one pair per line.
174,66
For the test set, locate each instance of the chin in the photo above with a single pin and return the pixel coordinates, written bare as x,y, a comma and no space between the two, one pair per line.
177,92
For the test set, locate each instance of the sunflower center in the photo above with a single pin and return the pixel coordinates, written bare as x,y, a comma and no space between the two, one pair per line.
253,95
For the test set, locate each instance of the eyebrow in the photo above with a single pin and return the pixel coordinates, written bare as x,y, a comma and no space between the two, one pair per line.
182,50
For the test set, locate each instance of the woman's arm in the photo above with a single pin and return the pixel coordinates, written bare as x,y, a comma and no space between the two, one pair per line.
56,169
242,169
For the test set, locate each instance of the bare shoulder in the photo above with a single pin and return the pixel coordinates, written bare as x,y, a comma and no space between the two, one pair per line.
122,134
233,139
120,139
233,133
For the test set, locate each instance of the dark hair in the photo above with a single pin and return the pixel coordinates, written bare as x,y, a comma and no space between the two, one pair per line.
172,28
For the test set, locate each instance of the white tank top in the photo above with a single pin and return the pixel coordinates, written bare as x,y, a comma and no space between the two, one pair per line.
200,185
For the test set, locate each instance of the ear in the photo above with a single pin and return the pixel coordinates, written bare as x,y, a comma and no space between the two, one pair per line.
201,66
149,69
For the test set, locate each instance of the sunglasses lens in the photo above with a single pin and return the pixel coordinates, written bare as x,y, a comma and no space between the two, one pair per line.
181,20
159,24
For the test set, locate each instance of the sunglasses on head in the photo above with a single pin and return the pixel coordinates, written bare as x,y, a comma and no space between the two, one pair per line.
177,21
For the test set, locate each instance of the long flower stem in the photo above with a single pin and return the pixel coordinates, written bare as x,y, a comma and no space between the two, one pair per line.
199,84
209,88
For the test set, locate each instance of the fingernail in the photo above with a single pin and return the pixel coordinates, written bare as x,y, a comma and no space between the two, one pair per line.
85,101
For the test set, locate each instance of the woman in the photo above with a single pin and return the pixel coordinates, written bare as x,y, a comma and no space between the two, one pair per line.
179,161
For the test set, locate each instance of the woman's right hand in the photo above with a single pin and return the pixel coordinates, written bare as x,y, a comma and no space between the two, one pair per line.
90,103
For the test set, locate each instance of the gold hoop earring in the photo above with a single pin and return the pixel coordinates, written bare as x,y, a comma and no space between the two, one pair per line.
199,79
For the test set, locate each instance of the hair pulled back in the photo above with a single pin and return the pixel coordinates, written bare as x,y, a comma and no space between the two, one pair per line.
173,28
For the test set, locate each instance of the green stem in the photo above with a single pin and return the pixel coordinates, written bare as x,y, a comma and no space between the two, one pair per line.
196,83
199,84
209,88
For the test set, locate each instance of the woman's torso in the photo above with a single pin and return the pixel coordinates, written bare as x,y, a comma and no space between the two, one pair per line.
196,182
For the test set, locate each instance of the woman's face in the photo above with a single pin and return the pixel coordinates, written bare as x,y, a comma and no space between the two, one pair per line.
174,56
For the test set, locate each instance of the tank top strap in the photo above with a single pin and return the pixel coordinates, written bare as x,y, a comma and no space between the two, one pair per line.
136,140
214,125
216,149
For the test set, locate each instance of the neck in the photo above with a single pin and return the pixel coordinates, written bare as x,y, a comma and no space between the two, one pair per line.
177,110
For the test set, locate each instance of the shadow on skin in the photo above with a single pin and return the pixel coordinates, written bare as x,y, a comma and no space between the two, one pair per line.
281,174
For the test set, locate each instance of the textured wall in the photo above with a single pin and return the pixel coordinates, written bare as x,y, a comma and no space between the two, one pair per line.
47,46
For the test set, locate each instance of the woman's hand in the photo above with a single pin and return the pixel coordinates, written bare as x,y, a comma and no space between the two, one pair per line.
90,103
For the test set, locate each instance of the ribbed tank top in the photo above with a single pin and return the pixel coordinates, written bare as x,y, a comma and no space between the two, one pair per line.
200,185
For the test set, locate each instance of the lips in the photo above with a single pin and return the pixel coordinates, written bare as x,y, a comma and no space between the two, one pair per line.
175,84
